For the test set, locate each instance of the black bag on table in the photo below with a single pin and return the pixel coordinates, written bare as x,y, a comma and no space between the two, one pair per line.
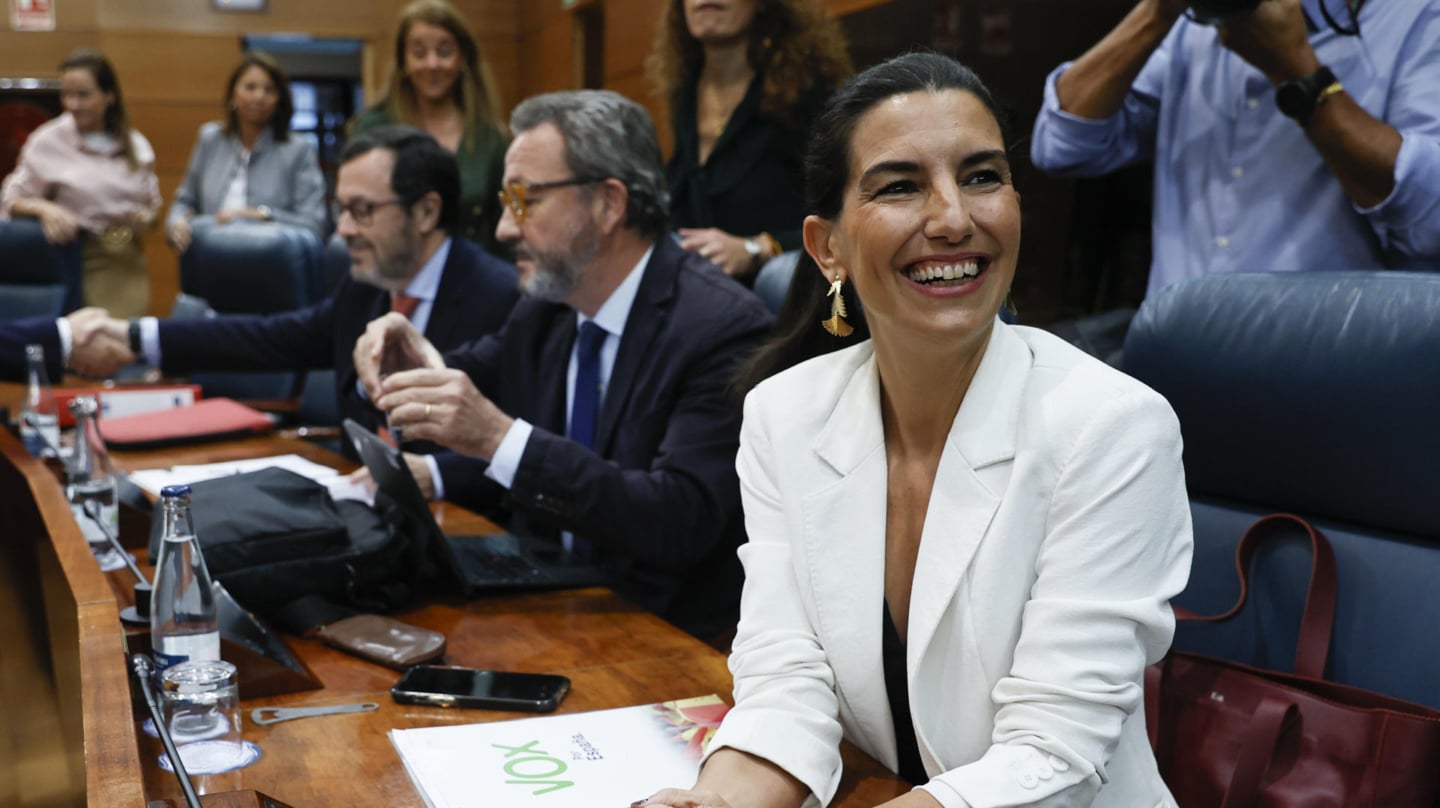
272,537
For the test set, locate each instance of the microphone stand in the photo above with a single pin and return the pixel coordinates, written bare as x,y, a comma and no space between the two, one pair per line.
92,510
144,671
29,419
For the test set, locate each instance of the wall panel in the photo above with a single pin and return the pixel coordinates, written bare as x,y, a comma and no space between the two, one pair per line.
629,31
546,57
173,57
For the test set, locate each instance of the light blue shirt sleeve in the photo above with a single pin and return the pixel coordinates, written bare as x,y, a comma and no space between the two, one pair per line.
506,461
1067,144
1408,221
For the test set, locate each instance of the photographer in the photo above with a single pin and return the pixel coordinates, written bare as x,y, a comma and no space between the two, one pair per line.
1286,134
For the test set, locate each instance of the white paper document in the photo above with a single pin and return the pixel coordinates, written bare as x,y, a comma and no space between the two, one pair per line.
584,760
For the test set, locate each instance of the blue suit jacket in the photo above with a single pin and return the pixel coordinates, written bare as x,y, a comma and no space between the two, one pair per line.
658,497
475,296
16,334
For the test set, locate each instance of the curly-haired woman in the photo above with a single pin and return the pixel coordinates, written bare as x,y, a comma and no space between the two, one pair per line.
743,79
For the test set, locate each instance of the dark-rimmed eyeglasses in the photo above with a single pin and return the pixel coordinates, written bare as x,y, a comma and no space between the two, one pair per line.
516,195
361,210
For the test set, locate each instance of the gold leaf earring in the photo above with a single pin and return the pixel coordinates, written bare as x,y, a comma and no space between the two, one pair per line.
836,325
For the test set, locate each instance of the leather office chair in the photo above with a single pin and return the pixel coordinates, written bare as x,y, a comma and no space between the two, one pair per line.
334,265
1315,394
252,268
773,279
36,277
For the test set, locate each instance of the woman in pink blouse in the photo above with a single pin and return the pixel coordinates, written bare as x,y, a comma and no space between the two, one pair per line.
88,175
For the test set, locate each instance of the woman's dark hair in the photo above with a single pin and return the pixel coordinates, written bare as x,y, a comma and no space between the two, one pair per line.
797,335
284,102
793,44
117,120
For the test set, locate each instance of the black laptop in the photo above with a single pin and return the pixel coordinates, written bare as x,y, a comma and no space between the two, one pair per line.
479,563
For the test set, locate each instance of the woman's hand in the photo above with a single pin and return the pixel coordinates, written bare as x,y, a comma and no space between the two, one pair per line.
722,249
179,236
916,798
143,219
236,214
681,798
58,223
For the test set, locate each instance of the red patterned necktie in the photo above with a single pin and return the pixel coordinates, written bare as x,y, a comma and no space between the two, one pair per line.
403,303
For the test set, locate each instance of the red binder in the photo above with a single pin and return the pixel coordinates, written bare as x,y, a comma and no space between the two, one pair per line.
211,419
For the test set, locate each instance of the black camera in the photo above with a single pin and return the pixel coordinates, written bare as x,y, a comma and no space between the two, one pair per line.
1218,12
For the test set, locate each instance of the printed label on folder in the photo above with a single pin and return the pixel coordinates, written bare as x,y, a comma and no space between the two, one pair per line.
607,757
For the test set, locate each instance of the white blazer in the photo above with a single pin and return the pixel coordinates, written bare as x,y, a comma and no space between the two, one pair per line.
1057,531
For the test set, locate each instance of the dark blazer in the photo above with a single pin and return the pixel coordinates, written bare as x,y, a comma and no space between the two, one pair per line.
16,334
754,177
475,296
658,497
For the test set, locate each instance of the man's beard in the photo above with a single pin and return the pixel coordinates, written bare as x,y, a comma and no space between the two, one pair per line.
556,274
389,267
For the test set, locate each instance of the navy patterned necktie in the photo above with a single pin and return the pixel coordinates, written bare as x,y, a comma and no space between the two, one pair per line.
585,409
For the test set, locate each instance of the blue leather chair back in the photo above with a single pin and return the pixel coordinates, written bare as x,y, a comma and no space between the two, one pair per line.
1314,393
251,268
36,277
773,279
334,265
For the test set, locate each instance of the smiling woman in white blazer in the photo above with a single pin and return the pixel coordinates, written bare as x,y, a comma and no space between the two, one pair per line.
1015,507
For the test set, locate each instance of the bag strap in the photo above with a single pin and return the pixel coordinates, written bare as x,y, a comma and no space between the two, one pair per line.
1319,617
1272,716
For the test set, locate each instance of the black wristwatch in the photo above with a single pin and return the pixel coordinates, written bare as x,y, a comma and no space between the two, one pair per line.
1298,98
135,346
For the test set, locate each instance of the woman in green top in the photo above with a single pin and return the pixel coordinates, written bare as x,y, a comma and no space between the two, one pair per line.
441,84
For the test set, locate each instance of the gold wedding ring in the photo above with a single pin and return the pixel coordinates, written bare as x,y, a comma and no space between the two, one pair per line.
427,411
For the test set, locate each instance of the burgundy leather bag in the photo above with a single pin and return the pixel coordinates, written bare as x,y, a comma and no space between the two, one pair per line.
1228,735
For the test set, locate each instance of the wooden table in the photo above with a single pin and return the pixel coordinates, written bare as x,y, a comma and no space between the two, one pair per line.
615,654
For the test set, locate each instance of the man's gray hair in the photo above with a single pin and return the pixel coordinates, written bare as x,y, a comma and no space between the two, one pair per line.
607,135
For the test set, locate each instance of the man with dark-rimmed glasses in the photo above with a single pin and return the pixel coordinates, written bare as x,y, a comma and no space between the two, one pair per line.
602,412
396,206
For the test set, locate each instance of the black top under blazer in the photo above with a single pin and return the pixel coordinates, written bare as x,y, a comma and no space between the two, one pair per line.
754,179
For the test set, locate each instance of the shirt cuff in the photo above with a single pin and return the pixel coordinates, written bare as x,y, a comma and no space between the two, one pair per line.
1417,175
436,481
62,328
506,461
150,340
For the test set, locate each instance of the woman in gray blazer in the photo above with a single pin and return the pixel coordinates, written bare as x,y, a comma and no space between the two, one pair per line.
250,166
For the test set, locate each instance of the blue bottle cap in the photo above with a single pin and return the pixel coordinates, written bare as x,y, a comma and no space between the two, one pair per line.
175,491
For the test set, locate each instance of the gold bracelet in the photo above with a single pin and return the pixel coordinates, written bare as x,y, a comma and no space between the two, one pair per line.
1335,87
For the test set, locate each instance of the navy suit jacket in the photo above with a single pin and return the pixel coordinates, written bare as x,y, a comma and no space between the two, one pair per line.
16,334
475,296
658,496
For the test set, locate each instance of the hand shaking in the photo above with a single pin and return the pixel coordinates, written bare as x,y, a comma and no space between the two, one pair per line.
99,343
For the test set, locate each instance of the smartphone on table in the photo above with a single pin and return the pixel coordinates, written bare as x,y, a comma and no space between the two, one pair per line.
444,686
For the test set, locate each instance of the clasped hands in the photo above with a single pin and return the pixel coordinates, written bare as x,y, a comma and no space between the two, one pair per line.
406,378
99,343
